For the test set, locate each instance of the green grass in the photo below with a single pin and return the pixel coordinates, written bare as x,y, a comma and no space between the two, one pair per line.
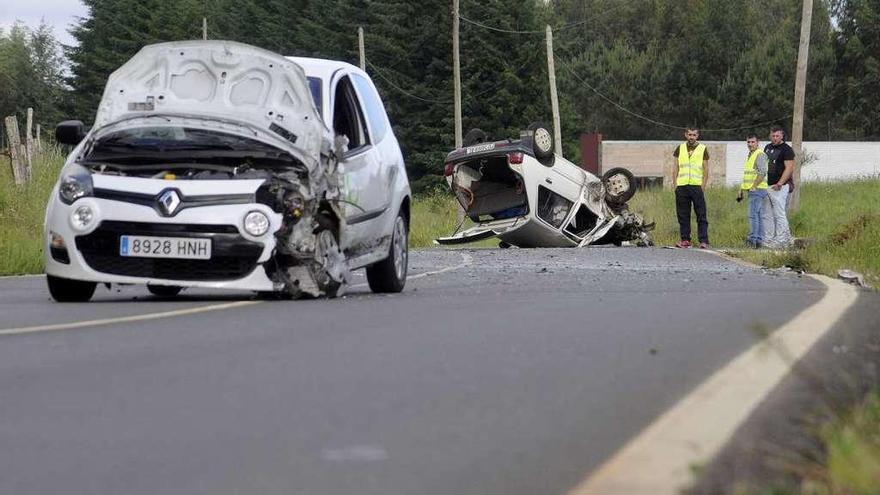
853,450
21,213
843,219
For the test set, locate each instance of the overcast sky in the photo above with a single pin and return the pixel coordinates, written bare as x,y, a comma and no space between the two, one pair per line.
59,14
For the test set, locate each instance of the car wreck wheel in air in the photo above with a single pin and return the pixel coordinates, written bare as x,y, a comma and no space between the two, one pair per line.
389,275
475,136
620,185
542,142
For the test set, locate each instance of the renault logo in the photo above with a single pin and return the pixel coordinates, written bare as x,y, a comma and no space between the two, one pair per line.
168,202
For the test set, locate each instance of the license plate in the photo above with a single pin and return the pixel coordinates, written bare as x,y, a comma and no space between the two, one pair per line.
479,148
141,246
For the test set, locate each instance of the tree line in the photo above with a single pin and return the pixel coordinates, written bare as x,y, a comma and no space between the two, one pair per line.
630,70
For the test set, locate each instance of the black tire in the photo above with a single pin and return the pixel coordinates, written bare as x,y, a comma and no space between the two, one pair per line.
475,136
67,290
164,290
620,185
542,141
389,275
325,282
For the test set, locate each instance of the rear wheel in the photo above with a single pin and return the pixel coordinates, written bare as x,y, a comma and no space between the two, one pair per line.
164,290
67,290
542,141
389,275
475,136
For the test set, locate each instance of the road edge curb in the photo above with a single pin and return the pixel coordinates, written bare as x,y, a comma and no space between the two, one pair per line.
660,458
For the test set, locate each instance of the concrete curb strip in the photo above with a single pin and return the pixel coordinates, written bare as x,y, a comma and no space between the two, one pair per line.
659,459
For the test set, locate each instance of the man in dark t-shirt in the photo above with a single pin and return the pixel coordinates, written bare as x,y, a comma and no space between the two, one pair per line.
780,167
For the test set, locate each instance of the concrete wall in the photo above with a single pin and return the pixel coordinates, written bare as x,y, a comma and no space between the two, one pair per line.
825,160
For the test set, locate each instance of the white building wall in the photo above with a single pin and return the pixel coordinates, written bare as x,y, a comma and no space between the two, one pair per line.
829,161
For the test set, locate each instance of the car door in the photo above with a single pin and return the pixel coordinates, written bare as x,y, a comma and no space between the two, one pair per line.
364,201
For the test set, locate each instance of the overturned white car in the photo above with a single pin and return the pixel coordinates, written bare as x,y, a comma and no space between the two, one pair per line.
218,164
523,193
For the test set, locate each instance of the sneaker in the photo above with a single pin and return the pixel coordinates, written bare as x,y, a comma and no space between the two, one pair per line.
683,244
704,245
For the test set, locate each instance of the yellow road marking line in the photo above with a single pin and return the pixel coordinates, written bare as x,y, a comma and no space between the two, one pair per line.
659,459
466,260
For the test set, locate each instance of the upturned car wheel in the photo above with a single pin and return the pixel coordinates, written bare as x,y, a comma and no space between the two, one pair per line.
542,141
164,290
66,290
389,275
475,136
620,185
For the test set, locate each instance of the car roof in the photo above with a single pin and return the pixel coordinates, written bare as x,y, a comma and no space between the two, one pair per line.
323,68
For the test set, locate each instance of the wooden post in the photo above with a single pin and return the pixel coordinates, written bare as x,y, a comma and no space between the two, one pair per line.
204,28
29,141
800,84
39,142
361,50
14,144
554,98
456,76
456,73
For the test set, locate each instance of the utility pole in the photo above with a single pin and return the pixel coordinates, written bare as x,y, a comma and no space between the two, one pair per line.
554,98
800,84
204,28
456,74
361,50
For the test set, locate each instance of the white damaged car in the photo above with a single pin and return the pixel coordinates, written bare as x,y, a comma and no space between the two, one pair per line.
218,164
526,195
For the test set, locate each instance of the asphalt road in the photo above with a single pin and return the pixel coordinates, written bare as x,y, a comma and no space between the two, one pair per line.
518,372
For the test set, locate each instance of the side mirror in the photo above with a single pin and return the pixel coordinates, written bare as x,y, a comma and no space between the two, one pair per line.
70,132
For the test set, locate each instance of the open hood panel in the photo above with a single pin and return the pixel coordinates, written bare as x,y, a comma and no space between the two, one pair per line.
220,80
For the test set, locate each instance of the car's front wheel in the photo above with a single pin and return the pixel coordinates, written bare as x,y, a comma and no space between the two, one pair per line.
67,290
164,290
389,275
620,186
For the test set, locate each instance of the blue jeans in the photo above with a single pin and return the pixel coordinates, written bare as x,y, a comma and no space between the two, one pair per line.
756,205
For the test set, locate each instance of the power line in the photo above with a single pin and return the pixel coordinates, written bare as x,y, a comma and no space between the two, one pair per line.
515,31
401,90
673,126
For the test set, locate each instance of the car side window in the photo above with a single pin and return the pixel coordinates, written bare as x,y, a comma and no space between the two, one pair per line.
375,111
347,117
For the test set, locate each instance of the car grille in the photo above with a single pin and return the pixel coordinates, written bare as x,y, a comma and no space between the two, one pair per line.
232,256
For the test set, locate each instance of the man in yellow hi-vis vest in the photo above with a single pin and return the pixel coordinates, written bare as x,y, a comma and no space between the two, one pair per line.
755,182
692,165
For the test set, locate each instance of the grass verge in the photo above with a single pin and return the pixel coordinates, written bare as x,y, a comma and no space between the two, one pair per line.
841,218
21,213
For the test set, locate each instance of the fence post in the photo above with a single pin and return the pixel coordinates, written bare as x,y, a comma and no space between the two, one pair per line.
29,141
14,144
39,142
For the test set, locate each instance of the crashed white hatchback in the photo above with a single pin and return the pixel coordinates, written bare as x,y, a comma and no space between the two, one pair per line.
218,164
523,193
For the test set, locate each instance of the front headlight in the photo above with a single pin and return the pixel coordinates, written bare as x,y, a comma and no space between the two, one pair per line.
75,186
256,223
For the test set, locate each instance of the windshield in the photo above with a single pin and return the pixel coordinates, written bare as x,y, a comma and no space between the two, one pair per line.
145,145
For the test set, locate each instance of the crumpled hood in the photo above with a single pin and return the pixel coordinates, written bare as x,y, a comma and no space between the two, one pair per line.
219,80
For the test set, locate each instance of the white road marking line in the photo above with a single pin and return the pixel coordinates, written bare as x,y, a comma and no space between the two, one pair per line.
466,260
658,460
125,319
